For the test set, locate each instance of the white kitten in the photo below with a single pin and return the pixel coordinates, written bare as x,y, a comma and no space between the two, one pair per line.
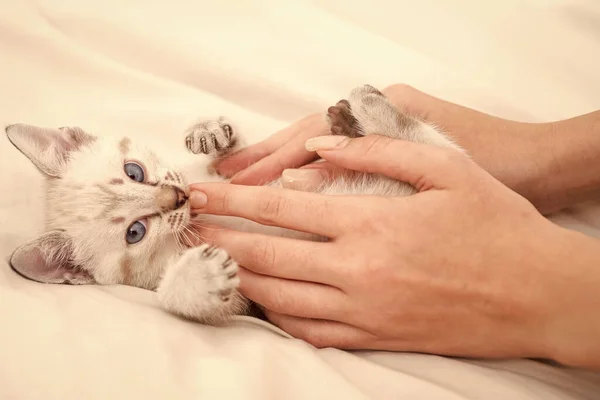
117,213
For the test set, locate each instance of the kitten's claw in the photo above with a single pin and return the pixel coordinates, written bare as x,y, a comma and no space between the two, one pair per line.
202,285
209,251
221,270
211,137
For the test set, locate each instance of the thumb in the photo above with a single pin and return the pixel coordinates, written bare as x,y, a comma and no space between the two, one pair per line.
420,165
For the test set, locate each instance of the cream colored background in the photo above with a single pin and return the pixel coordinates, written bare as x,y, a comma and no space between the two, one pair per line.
146,68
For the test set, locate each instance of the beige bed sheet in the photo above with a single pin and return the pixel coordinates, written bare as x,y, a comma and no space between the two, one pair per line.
147,68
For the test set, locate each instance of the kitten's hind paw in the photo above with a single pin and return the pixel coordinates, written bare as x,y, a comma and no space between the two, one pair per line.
368,111
341,120
342,117
211,137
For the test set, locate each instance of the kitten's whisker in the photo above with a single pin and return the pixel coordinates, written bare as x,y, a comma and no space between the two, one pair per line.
202,238
178,240
194,235
197,234
189,241
207,227
180,245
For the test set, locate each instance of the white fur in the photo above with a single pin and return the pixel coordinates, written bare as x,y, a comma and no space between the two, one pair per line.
88,213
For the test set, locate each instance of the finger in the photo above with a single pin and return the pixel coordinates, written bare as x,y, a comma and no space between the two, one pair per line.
312,177
251,154
322,333
422,166
307,180
303,299
307,212
330,171
290,155
321,171
279,257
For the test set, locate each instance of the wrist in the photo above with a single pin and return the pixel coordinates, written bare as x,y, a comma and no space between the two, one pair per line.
518,154
567,300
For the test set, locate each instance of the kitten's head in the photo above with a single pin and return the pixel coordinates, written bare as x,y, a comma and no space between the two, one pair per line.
110,207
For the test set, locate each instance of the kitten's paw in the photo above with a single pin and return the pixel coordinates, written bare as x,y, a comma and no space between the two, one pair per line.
367,111
202,285
221,272
211,137
341,120
365,90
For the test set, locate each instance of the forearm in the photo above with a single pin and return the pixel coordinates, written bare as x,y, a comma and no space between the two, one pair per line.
554,165
569,162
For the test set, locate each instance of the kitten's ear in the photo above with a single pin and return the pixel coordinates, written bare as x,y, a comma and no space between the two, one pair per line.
49,259
47,148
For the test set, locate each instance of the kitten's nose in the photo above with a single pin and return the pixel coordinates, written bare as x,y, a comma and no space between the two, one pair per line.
181,198
170,198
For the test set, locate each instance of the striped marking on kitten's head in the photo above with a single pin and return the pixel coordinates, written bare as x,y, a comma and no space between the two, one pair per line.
112,207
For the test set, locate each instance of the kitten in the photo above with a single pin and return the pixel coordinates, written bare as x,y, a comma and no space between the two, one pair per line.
117,212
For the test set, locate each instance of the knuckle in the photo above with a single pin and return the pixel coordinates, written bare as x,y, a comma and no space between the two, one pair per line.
224,203
280,163
372,224
375,270
315,337
317,340
263,255
270,209
277,301
452,157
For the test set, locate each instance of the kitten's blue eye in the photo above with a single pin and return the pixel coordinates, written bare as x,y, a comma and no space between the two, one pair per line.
134,171
135,232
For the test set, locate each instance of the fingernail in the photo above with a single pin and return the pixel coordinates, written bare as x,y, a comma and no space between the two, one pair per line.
326,143
302,179
198,200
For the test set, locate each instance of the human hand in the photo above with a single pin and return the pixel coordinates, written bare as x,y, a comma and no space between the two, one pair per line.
550,164
265,161
465,267
501,146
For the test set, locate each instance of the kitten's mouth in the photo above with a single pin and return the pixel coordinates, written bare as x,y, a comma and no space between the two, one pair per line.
181,198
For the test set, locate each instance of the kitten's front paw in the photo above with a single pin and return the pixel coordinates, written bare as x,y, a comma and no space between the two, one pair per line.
202,285
213,138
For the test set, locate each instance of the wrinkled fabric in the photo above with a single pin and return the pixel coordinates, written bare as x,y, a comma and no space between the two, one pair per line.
146,69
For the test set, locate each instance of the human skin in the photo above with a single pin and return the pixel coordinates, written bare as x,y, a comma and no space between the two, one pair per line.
554,165
464,267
